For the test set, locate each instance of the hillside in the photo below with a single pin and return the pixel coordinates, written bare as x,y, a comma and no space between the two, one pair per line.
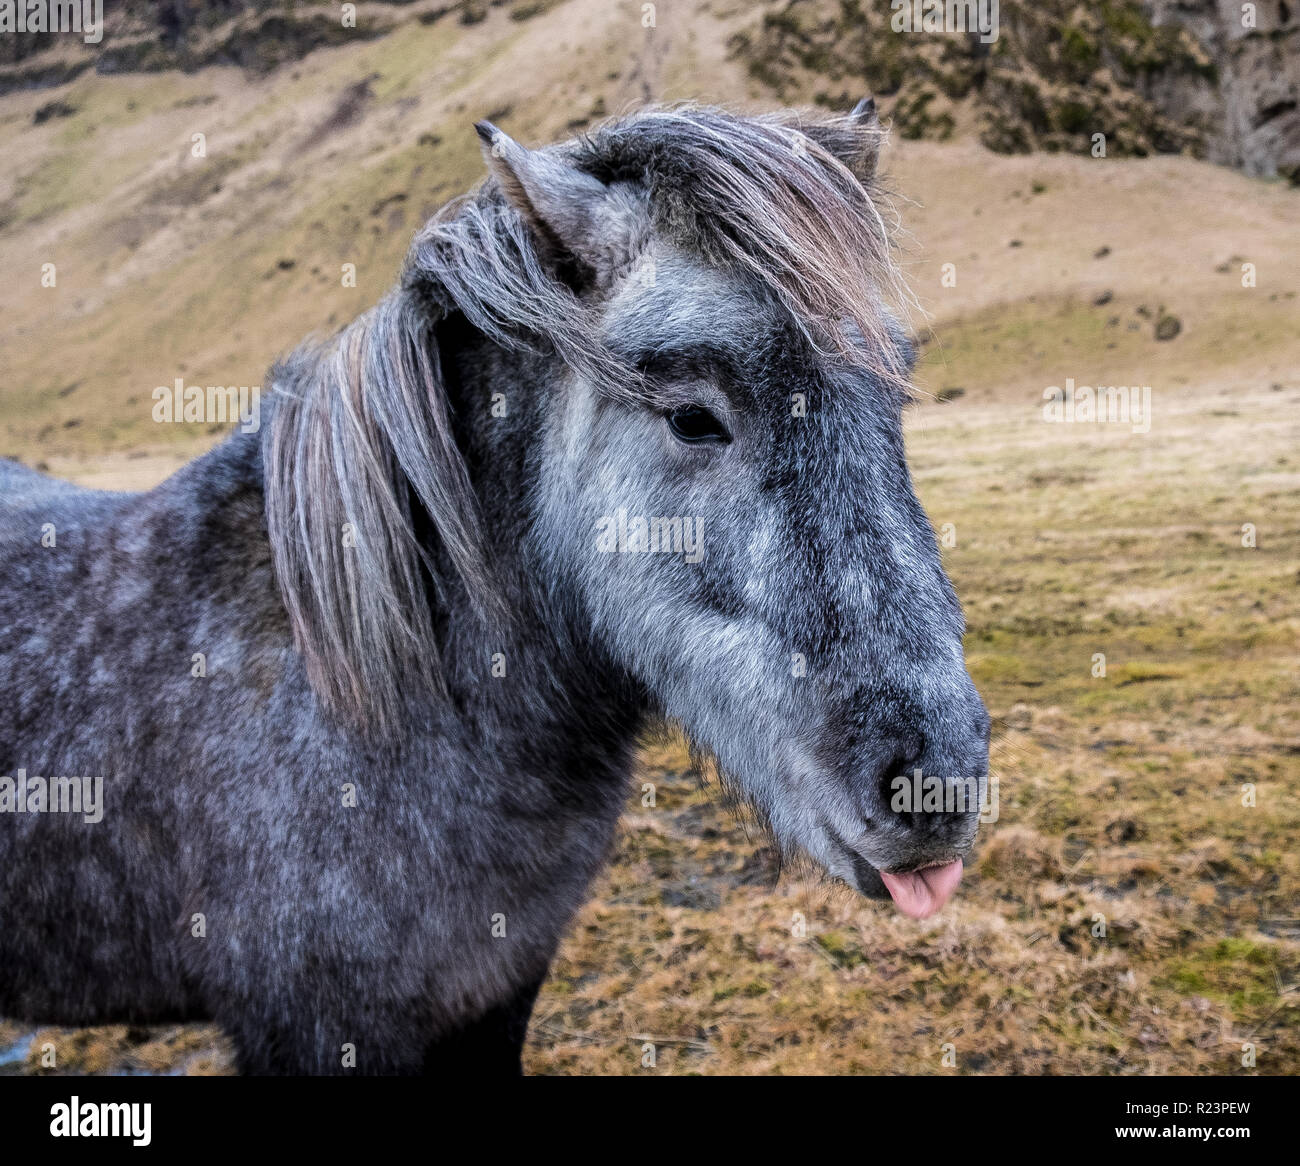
170,264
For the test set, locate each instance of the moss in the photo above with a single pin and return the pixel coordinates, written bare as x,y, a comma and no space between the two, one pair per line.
1237,951
1140,673
1234,971
842,950
1035,89
1079,52
989,669
527,9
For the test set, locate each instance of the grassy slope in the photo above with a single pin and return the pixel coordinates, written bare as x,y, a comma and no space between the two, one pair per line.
1121,796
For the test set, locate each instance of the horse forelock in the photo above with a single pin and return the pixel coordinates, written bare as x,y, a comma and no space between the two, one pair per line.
773,198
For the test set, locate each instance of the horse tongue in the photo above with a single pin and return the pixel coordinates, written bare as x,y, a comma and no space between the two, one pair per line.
922,892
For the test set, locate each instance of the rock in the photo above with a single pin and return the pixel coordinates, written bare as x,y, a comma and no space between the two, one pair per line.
53,109
1251,93
1137,77
1121,830
1167,327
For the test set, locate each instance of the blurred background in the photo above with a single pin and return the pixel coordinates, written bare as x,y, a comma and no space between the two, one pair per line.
183,199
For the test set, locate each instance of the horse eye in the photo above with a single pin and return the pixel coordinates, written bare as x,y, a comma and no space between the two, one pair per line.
693,425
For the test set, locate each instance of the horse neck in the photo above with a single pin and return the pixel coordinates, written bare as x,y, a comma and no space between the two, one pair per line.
549,635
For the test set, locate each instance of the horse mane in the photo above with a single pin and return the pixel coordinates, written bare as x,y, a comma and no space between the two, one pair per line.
360,434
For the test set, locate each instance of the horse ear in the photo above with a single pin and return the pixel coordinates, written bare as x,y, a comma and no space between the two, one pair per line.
859,149
571,214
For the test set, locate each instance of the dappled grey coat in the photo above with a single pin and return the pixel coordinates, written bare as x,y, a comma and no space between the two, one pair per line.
362,689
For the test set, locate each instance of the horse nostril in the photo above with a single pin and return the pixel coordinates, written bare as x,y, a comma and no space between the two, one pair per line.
905,760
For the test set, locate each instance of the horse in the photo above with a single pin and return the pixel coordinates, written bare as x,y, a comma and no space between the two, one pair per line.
362,687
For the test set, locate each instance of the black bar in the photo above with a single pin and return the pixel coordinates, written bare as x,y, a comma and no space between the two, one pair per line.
937,1117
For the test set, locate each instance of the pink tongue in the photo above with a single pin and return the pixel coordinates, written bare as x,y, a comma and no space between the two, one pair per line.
923,892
